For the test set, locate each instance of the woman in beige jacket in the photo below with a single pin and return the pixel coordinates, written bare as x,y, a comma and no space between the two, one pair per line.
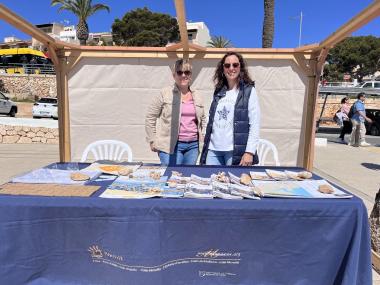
181,120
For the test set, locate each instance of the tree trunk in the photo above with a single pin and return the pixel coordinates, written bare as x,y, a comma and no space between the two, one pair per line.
268,25
82,32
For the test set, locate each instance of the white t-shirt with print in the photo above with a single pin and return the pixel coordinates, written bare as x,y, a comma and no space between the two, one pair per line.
222,136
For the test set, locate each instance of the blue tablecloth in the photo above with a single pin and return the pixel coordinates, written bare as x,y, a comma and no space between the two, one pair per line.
47,240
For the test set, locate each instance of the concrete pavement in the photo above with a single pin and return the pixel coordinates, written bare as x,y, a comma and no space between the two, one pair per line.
19,158
355,169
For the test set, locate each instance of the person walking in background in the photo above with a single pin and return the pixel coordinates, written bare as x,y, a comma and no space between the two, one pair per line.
181,117
357,120
232,132
344,110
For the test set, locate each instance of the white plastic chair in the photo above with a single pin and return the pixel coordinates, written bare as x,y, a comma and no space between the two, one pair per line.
263,149
107,150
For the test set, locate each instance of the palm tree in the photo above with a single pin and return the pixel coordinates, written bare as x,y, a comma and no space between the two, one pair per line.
219,42
268,25
82,9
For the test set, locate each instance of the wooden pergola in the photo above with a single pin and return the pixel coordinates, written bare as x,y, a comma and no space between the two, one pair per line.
310,59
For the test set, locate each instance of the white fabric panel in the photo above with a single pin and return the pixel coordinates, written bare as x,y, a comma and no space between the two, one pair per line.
108,99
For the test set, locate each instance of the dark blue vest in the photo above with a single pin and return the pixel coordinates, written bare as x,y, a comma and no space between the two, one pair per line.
241,123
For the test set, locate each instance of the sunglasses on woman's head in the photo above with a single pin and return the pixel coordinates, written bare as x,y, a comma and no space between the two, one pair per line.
234,65
186,72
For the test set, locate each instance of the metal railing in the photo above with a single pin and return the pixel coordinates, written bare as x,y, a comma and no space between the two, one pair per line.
19,68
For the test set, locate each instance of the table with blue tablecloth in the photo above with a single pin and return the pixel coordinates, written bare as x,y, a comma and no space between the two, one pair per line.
57,240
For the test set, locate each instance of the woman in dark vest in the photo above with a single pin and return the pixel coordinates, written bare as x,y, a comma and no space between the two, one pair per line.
232,132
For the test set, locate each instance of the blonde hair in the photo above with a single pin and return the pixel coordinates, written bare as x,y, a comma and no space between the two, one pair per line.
181,64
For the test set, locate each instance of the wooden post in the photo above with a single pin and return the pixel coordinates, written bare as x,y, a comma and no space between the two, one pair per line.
316,64
63,111
181,18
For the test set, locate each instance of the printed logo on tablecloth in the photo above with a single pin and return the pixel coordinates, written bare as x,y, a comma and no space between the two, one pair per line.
212,256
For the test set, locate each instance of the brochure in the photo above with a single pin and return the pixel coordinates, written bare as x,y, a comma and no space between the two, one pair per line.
259,175
275,174
122,194
127,184
170,192
114,169
55,176
200,180
298,189
154,172
194,190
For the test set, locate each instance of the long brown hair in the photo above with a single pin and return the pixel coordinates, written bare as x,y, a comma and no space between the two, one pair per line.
219,78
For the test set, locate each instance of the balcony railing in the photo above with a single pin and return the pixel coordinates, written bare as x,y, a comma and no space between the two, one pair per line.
19,68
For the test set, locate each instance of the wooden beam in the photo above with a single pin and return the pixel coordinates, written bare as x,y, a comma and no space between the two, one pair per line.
316,64
26,27
179,46
361,19
181,19
308,147
301,60
375,260
54,57
311,47
63,110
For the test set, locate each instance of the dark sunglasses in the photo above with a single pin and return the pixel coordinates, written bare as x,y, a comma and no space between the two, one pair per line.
186,72
234,65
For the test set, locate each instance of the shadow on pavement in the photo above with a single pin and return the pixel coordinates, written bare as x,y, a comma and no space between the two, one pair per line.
329,130
372,166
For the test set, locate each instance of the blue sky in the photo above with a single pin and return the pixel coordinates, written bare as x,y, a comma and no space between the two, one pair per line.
239,20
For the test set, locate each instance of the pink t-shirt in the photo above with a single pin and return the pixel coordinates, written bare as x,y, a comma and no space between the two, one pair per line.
188,130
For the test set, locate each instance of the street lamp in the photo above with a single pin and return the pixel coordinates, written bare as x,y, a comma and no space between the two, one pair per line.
300,31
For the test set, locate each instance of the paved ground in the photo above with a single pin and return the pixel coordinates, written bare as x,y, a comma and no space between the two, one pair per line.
47,123
19,158
355,169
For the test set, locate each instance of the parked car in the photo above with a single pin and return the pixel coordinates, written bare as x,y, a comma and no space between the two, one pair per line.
46,107
371,84
7,106
373,128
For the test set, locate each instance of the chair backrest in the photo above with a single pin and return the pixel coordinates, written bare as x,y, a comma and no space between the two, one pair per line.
107,150
263,149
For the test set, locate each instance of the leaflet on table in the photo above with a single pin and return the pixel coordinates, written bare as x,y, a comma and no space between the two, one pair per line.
243,191
55,176
123,194
149,171
171,192
259,175
195,179
297,189
194,190
276,174
114,169
124,187
221,190
175,180
234,179
125,183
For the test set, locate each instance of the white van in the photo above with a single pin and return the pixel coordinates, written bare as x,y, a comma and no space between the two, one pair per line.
371,84
7,106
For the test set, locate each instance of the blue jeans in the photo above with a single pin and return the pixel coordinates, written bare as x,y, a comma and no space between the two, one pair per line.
215,157
184,153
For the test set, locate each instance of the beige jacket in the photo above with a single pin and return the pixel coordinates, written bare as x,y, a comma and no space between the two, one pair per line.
166,107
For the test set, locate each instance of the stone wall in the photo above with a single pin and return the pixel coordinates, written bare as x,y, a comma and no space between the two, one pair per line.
333,105
24,134
28,86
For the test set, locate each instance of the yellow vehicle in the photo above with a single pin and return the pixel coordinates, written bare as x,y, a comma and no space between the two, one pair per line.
23,60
